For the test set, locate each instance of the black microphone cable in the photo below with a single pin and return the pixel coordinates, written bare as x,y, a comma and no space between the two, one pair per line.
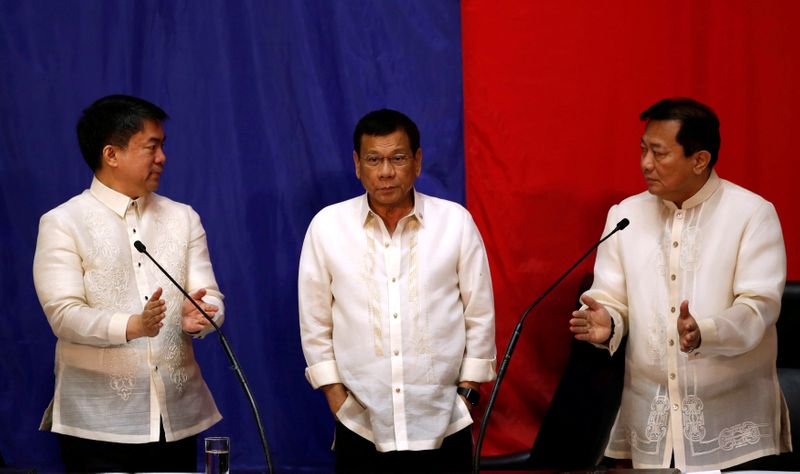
513,343
228,351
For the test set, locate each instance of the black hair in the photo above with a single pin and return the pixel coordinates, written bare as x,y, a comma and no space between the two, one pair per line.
385,122
113,120
699,124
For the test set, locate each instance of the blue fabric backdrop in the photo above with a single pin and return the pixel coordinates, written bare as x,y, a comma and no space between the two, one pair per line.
263,97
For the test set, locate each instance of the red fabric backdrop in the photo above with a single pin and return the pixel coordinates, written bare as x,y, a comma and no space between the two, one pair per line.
552,93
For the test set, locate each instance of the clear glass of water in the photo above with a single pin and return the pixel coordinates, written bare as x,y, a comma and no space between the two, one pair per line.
218,451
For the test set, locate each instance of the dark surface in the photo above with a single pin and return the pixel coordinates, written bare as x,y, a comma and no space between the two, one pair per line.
571,438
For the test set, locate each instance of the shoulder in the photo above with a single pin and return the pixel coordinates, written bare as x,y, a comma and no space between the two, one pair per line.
736,195
164,205
339,212
442,208
637,201
71,208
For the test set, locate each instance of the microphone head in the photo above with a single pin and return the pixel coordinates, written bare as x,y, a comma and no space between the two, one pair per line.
620,225
141,248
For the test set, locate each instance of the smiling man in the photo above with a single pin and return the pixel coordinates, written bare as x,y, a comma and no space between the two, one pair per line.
696,283
396,312
129,396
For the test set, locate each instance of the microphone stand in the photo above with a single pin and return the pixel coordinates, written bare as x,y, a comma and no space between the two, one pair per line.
228,351
515,338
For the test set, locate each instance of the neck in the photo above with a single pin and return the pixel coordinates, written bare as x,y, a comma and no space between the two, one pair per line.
108,180
391,215
693,189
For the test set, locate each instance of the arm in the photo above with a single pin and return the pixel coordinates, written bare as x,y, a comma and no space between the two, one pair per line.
607,300
201,284
757,287
59,280
315,302
475,286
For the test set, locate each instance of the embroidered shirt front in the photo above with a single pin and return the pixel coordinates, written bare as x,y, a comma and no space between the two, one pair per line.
90,280
399,319
722,251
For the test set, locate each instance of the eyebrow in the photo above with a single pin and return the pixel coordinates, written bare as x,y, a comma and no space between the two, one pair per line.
396,151
658,145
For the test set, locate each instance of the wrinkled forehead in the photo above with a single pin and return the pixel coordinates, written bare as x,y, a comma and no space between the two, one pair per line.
661,132
396,141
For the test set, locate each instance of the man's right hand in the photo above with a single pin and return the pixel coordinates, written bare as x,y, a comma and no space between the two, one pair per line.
592,324
149,322
336,394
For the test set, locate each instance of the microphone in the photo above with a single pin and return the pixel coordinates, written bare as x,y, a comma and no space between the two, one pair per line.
228,351
515,337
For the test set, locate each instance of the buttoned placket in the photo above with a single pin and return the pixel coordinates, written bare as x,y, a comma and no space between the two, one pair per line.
133,225
673,340
393,255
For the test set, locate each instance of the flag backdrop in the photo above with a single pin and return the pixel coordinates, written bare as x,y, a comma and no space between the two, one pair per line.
528,113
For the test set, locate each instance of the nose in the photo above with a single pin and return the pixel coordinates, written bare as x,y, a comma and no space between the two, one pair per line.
646,161
161,157
385,169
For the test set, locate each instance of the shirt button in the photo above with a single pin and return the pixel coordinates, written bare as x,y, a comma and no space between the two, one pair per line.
397,390
386,245
672,310
672,376
674,244
671,342
146,297
672,277
140,264
679,215
675,406
134,231
396,352
394,315
393,280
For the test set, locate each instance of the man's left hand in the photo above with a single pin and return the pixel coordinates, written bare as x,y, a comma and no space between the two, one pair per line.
467,384
688,331
193,321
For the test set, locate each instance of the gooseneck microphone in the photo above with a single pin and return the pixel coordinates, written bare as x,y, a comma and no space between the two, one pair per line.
228,351
515,337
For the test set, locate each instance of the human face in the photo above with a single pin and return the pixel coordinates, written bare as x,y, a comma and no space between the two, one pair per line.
388,186
137,168
668,172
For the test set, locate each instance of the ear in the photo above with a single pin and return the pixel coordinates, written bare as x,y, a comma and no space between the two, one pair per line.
110,156
418,161
701,160
356,163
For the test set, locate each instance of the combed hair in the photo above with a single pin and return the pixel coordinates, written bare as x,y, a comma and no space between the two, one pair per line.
113,120
699,124
384,122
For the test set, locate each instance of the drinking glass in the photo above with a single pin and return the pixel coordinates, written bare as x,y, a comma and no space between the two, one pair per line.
218,455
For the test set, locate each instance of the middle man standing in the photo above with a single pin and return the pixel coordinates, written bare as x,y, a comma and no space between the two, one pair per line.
396,312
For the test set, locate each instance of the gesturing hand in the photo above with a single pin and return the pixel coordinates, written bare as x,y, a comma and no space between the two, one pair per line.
688,331
149,322
592,324
192,320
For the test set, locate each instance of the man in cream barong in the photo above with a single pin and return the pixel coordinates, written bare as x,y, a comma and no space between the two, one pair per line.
129,396
695,283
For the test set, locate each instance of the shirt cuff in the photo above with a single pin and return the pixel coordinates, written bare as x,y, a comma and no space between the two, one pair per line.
708,331
118,329
477,370
324,373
